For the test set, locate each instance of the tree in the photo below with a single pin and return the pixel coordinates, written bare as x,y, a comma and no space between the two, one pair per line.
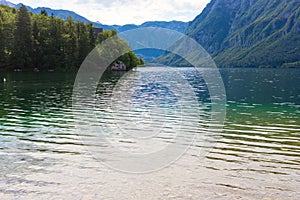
22,51
142,62
44,12
70,44
83,42
36,48
54,57
51,43
134,61
92,37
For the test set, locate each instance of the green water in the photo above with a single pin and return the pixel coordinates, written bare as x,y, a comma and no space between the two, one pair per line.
255,156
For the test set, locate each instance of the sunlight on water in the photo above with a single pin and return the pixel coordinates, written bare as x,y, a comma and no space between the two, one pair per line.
255,156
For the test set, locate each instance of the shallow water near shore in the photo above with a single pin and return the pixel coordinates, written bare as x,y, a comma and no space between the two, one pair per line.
255,156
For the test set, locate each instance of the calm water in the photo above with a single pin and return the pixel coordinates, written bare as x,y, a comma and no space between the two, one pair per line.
43,154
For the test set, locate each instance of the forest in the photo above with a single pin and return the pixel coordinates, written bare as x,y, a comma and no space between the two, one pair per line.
42,42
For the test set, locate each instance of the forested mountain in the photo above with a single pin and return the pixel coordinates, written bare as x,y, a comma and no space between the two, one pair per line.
148,55
41,42
237,33
249,33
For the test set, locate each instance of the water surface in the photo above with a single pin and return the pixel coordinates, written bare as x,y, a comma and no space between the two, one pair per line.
255,156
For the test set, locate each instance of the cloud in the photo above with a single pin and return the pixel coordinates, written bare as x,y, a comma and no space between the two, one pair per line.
127,11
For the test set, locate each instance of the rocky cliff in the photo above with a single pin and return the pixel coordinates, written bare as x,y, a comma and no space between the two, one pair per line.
249,33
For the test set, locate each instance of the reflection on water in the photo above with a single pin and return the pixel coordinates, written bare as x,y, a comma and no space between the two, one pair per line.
256,156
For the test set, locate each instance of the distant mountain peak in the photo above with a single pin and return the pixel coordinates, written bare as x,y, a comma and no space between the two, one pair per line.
4,2
173,25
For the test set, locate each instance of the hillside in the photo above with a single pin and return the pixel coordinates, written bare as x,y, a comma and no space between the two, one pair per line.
38,42
248,33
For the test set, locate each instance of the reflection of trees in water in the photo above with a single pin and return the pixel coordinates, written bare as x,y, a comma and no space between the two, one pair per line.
35,92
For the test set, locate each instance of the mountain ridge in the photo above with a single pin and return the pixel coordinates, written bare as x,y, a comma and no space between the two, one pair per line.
247,33
61,13
256,33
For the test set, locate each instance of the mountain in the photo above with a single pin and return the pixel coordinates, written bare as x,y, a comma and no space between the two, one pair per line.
63,14
7,3
173,25
249,33
148,55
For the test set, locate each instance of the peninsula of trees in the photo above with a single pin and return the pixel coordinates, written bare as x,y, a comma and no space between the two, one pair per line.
46,43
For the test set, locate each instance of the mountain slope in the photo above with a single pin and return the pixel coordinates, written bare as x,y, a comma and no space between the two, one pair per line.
173,25
249,33
7,3
63,14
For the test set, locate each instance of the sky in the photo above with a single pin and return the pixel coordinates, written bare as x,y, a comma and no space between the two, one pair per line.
122,12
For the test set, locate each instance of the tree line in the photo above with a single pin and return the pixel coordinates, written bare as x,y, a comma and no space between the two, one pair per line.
47,43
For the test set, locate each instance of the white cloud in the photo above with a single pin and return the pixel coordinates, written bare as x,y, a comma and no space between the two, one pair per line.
126,11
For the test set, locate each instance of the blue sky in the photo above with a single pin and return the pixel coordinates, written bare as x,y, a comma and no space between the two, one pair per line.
126,11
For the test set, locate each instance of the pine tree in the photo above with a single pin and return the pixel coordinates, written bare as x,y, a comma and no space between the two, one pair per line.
22,51
70,50
92,37
83,42
44,12
50,43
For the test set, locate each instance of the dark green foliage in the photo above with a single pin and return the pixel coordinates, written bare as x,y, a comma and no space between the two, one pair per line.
141,61
7,26
91,37
116,47
38,41
44,12
22,51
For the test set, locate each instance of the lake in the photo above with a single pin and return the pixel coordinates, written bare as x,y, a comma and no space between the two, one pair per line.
51,149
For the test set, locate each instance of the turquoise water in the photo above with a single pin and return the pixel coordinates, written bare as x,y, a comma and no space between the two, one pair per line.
255,156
